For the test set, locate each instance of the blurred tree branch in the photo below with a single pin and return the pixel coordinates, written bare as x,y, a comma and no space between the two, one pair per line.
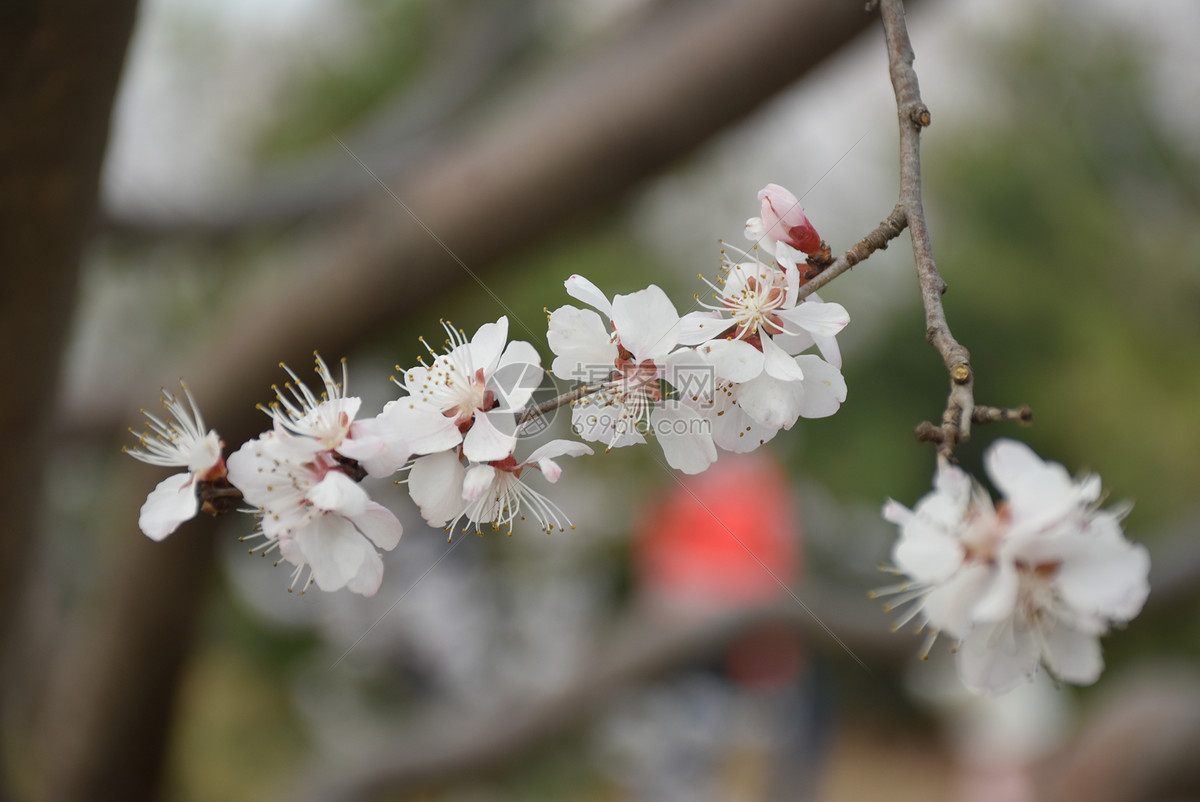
479,49
636,652
568,144
59,67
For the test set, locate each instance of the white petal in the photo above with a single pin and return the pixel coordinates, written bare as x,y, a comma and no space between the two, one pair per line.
487,344
946,507
1073,656
254,473
735,430
829,348
519,351
361,446
825,319
824,387
369,577
409,427
585,351
734,360
777,362
895,512
755,230
204,454
1000,596
334,550
1040,493
997,658
796,341
646,322
700,327
1105,577
949,607
415,378
924,554
737,275
280,444
290,550
517,375
790,259
338,492
478,481
597,422
491,437
690,373
560,448
544,456
685,437
169,505
771,402
581,289
379,524
1014,465
435,484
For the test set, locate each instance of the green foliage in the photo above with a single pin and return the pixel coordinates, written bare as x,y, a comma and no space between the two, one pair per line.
332,96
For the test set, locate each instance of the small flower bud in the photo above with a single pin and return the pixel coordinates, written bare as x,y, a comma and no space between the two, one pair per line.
784,219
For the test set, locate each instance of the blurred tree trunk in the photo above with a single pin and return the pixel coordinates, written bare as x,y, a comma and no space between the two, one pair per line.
60,61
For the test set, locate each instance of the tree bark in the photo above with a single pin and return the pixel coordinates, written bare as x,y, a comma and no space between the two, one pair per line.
60,62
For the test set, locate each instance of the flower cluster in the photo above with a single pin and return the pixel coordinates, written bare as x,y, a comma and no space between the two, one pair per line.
730,374
299,477
1034,579
727,375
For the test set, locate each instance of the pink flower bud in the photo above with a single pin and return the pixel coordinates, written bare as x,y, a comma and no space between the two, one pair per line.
785,221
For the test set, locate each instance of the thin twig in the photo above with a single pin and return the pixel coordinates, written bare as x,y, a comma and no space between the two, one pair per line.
877,240
552,404
913,115
981,415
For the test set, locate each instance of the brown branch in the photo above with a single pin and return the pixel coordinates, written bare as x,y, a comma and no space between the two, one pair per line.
913,116
479,46
569,397
877,240
983,415
60,63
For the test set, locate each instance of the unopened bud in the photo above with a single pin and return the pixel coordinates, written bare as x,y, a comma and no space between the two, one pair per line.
784,219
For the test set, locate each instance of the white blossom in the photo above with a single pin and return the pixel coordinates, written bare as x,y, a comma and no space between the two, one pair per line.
326,422
1034,579
182,440
470,395
313,512
756,323
752,337
495,494
745,415
628,363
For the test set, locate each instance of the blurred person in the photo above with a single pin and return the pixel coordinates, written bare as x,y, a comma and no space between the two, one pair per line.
748,723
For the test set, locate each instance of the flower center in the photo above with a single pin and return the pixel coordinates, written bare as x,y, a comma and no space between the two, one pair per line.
985,533
754,306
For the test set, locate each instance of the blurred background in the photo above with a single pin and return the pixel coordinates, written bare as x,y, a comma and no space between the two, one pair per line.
257,198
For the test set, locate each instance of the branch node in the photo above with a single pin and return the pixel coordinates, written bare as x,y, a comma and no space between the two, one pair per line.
1022,414
961,373
921,116
926,432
